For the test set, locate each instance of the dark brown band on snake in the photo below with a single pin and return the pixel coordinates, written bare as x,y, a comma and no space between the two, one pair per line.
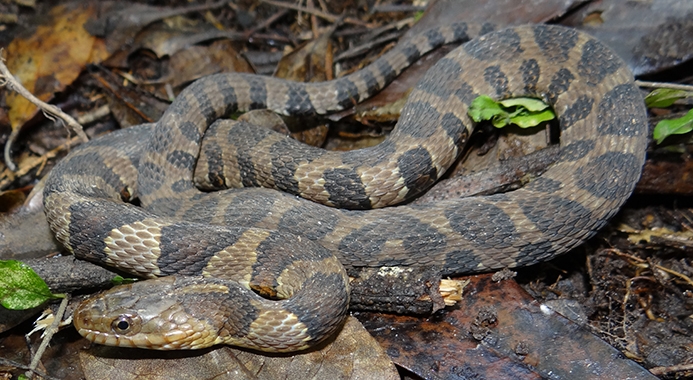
602,126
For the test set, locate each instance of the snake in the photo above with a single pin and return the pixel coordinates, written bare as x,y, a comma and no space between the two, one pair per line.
265,268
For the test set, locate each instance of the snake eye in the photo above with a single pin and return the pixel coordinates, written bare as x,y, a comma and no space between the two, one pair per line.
125,324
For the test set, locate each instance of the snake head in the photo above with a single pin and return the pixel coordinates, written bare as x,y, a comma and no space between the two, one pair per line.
178,313
148,314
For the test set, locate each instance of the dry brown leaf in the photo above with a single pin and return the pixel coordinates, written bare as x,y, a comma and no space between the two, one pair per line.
129,105
119,22
198,61
498,331
308,63
650,36
52,57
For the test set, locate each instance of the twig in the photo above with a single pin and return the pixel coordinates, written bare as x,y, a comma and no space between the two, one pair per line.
266,23
673,86
312,11
51,111
47,336
270,36
94,115
14,364
361,49
118,95
661,371
397,8
645,264
33,163
316,12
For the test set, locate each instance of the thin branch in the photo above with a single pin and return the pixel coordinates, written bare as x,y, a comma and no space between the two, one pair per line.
645,264
661,371
397,8
52,112
10,173
47,336
673,86
324,15
14,364
266,23
368,46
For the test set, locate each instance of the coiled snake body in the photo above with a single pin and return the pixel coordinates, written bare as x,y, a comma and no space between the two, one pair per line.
295,250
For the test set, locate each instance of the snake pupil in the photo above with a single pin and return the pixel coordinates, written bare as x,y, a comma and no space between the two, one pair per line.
122,325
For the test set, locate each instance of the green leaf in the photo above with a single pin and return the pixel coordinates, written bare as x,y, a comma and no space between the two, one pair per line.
523,112
532,119
679,126
500,121
485,108
665,97
120,280
530,104
20,287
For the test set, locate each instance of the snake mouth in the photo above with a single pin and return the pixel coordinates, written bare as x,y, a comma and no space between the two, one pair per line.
149,341
105,339
170,340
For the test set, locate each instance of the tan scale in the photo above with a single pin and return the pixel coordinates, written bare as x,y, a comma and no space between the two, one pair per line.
311,181
320,95
236,262
135,246
280,329
277,98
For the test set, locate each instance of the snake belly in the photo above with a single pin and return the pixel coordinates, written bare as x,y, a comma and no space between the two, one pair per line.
296,250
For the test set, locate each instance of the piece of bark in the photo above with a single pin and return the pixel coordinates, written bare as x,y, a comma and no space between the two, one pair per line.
399,289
